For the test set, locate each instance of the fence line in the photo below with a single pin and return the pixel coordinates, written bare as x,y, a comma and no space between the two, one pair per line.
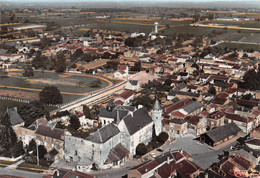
15,99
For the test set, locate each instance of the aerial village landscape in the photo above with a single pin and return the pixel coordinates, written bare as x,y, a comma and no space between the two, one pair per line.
130,90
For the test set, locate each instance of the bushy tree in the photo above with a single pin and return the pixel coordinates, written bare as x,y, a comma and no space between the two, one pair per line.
50,95
212,90
28,72
31,111
74,122
162,137
87,112
141,149
252,79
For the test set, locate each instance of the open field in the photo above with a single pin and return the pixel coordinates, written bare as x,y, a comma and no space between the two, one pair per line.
69,92
252,38
248,24
239,46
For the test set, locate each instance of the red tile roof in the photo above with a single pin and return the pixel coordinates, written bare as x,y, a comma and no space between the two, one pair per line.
143,169
193,119
216,115
126,94
237,117
219,101
242,162
178,105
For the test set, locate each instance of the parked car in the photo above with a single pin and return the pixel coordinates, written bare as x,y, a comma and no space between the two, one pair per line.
153,155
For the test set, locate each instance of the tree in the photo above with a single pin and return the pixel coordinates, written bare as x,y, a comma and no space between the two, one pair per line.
141,149
28,72
87,112
154,134
212,90
42,151
162,137
8,137
252,79
78,53
32,145
95,84
60,65
137,66
17,149
74,122
50,95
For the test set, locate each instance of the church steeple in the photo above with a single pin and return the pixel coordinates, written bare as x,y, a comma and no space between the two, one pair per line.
157,115
157,103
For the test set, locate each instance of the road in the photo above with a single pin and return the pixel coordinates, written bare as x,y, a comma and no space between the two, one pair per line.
200,153
94,97
20,173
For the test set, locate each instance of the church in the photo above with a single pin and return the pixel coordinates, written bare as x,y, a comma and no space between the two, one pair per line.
123,128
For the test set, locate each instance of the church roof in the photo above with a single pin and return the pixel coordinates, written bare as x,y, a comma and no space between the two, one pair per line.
157,104
104,134
136,121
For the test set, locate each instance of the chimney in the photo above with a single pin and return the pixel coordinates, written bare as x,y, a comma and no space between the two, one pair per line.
168,160
206,175
58,173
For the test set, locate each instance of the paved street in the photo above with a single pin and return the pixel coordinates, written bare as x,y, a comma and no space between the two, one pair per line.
21,173
117,173
200,153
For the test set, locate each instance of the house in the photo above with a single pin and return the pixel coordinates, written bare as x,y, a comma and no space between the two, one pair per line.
220,134
192,109
181,94
125,97
170,164
51,138
178,127
122,71
197,123
133,85
215,119
246,124
114,113
15,118
12,57
96,148
232,166
175,106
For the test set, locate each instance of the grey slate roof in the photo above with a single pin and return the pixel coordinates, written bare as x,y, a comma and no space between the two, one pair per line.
181,85
192,106
119,112
136,122
157,104
104,134
223,132
178,121
15,118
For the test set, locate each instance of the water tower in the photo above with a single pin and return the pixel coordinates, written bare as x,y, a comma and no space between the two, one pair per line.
156,27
